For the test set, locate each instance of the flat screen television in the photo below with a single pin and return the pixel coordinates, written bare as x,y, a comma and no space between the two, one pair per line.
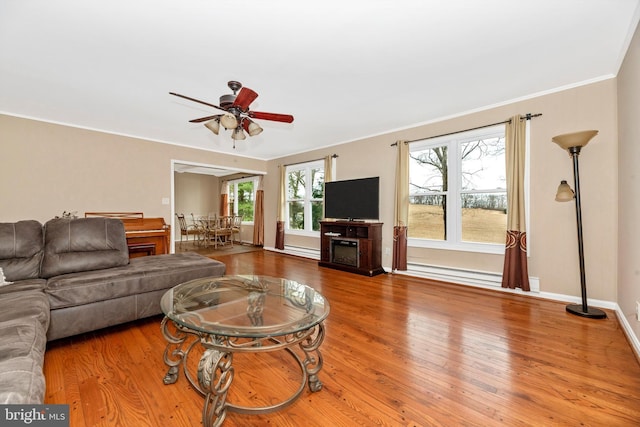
353,199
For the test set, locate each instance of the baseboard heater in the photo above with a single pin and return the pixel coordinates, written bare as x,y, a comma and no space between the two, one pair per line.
483,279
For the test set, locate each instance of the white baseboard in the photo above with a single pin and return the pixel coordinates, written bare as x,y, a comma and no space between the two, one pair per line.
578,300
481,279
626,327
296,251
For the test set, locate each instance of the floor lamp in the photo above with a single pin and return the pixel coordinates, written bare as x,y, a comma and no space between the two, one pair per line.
573,143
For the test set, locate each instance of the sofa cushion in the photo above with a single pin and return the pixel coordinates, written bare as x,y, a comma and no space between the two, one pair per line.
24,320
143,274
21,249
83,244
21,381
23,285
23,337
25,304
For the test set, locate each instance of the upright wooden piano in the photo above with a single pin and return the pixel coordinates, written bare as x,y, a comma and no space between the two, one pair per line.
145,236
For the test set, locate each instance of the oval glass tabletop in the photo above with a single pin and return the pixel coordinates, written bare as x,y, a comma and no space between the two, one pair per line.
245,306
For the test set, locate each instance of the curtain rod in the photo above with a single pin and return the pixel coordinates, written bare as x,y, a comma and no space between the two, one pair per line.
225,179
334,156
527,116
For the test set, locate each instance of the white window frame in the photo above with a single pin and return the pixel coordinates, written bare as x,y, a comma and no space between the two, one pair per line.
454,221
234,183
306,167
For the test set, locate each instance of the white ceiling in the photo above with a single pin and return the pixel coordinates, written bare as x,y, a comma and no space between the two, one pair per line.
345,69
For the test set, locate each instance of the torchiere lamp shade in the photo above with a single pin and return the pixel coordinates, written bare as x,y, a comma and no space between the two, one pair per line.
575,139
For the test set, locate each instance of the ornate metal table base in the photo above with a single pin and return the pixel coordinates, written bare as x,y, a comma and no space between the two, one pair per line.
215,368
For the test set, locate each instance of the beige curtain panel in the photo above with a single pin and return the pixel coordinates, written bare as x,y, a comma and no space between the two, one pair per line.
258,216
401,207
224,199
328,168
515,272
281,208
328,173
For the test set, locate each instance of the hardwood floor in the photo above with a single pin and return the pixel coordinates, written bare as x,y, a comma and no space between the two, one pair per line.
399,351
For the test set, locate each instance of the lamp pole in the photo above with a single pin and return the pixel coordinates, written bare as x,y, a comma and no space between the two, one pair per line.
581,309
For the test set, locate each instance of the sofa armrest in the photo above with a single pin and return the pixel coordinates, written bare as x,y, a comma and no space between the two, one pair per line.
21,249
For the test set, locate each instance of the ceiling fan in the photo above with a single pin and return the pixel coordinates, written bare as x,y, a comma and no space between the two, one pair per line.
237,115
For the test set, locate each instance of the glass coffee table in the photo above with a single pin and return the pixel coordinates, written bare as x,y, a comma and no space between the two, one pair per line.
234,314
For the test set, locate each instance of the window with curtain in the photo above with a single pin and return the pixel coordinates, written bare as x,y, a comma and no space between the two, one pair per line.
242,194
457,191
305,195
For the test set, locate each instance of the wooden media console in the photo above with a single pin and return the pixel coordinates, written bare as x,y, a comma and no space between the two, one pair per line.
351,246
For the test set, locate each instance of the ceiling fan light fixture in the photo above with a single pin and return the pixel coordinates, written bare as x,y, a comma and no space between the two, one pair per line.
254,128
236,113
229,121
214,125
238,134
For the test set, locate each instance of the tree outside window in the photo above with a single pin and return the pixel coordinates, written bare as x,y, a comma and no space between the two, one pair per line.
457,189
305,196
242,197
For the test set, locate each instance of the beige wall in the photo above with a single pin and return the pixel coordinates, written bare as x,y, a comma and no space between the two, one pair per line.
195,194
47,169
629,183
553,240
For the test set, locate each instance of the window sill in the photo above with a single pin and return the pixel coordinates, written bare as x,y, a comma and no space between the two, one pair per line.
485,248
302,233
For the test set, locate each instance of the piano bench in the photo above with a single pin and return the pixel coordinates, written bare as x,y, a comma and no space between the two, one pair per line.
141,249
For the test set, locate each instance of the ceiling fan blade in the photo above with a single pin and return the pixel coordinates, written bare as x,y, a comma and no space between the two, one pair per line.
245,98
196,100
286,118
204,119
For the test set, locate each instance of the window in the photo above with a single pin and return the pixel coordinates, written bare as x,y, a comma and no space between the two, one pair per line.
305,194
457,191
241,194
